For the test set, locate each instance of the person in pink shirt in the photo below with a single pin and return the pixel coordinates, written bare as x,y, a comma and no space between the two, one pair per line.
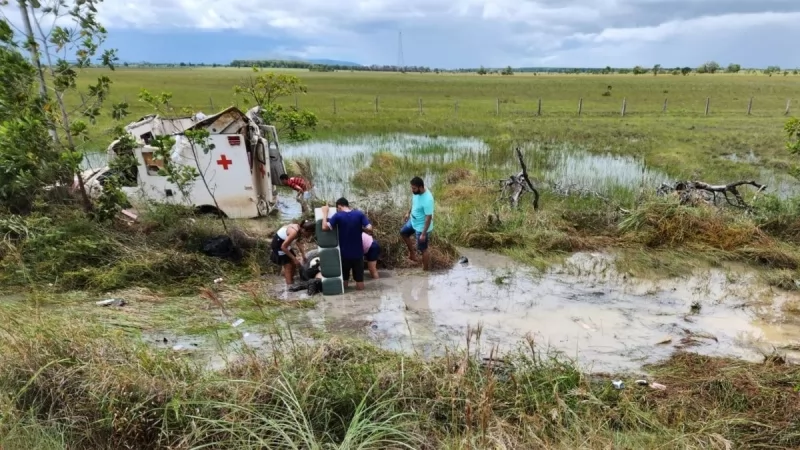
371,252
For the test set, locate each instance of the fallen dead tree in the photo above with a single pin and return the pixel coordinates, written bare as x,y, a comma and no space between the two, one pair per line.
697,192
516,185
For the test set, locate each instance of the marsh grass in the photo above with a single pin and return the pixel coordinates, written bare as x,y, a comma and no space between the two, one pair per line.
82,386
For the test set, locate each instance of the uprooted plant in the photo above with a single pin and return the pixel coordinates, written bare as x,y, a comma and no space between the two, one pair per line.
198,139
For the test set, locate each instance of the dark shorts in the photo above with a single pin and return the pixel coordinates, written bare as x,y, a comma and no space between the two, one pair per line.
354,265
408,230
373,252
280,260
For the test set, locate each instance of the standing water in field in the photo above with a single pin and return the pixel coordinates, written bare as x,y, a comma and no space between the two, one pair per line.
336,162
584,309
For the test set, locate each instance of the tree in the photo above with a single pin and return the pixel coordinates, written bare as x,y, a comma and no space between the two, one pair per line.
772,69
656,69
638,70
507,71
482,71
709,67
66,34
265,90
686,71
733,68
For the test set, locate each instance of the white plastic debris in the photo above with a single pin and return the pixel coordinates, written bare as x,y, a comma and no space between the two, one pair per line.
618,384
218,281
110,302
237,323
178,348
658,386
641,382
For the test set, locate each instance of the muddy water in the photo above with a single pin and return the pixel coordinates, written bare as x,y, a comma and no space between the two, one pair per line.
583,309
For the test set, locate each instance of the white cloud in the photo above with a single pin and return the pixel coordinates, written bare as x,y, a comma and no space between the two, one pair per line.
491,32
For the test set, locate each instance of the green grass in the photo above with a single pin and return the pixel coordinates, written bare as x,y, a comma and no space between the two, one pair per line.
682,141
77,385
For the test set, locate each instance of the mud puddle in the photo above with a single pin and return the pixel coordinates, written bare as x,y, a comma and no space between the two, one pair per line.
584,309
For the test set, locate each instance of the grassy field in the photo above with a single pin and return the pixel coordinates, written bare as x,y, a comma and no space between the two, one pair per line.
681,141
71,383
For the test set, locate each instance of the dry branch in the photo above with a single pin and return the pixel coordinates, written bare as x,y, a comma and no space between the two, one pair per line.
519,184
692,191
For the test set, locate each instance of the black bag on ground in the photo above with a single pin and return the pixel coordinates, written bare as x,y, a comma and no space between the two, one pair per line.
222,247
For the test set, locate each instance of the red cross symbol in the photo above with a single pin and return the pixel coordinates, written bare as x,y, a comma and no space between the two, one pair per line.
224,162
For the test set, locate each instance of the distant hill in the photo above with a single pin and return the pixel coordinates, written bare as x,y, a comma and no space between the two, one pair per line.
333,62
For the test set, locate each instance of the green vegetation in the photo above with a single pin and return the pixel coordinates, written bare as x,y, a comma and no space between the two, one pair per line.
83,385
74,375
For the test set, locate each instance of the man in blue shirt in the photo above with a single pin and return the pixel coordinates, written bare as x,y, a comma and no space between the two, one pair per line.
419,221
351,223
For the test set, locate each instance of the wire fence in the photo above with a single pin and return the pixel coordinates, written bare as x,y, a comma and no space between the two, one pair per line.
500,106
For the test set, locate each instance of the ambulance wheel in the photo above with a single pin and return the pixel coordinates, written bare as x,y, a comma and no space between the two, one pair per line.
208,210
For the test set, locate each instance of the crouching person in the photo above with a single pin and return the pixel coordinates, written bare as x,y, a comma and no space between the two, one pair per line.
283,248
371,252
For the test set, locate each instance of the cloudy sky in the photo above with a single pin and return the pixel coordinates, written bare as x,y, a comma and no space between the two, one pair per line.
459,33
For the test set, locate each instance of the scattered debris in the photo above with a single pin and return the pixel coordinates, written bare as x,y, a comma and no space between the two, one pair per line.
658,386
237,323
618,384
665,340
112,302
641,382
463,260
218,281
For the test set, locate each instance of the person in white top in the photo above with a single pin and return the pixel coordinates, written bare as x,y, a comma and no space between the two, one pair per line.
283,253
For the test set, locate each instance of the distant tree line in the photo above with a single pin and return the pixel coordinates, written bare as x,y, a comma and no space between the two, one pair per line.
710,67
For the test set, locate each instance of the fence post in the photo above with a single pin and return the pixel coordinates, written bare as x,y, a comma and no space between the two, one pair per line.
664,108
708,101
211,104
420,105
580,106
788,105
334,105
624,105
539,111
750,106
497,106
376,103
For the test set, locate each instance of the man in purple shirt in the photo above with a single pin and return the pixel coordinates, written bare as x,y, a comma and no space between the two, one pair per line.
351,223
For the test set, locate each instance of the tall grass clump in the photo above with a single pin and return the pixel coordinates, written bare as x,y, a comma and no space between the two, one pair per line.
63,248
95,389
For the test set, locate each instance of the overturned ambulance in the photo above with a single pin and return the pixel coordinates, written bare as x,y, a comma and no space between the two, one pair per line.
242,171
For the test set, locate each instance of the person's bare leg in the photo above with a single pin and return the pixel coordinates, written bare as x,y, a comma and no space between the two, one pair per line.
373,269
288,273
426,260
359,285
412,252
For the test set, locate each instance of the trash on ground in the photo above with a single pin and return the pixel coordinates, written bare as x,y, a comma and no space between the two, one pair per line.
218,281
658,386
641,382
177,348
618,384
112,302
664,340
463,260
237,323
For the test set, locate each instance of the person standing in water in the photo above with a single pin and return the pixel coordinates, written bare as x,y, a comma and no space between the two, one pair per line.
419,221
282,248
352,223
